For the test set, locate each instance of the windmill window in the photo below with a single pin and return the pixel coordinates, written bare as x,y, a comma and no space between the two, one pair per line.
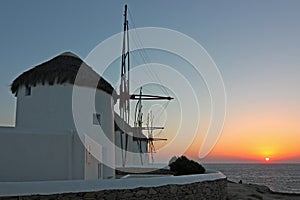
27,91
96,119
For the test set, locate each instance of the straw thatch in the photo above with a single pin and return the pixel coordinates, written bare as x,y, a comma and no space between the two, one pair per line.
62,69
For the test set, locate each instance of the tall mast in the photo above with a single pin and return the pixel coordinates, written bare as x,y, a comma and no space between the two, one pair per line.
124,87
125,97
125,68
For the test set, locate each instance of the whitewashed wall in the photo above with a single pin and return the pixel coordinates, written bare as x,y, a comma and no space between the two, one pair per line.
86,104
47,108
44,143
34,157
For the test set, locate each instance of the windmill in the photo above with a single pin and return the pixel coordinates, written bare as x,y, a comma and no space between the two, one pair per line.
150,128
138,129
125,97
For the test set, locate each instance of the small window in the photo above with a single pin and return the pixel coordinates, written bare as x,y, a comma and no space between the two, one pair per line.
27,91
96,119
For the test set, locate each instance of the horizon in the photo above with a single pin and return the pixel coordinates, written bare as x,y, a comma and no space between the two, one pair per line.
255,46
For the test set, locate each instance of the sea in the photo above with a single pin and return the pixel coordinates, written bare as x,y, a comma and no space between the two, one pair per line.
278,177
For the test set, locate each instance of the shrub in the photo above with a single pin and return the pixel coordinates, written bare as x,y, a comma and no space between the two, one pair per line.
184,166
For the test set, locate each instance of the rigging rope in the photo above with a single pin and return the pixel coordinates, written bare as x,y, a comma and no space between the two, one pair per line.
143,54
165,105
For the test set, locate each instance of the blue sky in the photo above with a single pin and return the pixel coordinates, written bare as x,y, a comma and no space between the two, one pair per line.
251,41
255,44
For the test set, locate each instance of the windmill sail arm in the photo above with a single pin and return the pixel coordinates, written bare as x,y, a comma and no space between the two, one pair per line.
152,128
149,97
157,139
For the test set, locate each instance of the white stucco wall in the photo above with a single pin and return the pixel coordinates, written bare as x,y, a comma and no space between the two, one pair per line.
44,143
32,156
85,104
47,108
93,167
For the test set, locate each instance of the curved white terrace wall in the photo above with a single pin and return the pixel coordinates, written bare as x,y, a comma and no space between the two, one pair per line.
75,186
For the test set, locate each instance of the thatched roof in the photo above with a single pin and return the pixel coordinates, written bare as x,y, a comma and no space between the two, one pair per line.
62,69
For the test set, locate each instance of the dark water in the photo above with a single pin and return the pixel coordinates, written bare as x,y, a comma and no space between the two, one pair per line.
278,177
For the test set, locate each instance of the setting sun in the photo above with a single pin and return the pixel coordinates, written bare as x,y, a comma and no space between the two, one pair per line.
267,159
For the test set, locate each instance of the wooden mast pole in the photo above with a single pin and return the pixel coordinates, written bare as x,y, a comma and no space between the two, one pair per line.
124,87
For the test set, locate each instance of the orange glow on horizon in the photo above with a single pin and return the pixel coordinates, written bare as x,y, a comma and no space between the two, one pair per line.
248,135
255,139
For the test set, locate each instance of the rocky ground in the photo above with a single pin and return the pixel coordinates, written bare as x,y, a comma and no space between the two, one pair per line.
238,191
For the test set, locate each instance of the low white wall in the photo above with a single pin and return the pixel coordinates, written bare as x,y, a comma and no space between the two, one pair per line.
75,186
31,156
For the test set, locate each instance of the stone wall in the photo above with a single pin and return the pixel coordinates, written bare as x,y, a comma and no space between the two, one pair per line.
206,190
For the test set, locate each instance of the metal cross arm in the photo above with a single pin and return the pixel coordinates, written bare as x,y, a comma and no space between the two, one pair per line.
157,139
149,97
152,128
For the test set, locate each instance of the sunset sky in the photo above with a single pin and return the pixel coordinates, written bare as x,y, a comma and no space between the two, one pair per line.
255,44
